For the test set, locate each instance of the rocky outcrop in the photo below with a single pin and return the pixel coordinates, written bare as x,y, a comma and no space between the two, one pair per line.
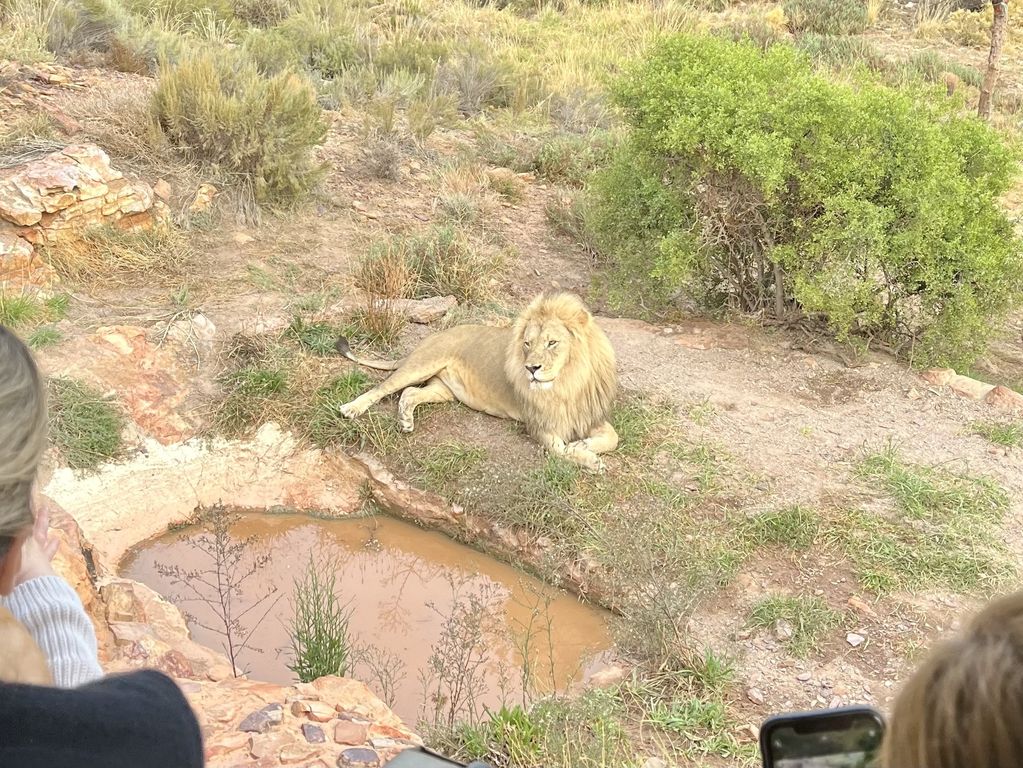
52,199
998,396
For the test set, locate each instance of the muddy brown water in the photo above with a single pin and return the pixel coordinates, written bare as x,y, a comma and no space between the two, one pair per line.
406,589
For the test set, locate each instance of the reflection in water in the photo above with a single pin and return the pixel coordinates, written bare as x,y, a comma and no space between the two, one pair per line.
423,609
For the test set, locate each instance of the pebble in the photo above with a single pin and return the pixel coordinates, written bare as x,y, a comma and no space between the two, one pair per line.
855,640
756,695
783,630
803,677
313,733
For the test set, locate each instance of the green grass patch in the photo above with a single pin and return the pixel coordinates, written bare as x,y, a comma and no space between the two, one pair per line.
327,427
318,337
45,336
794,527
440,464
19,310
84,425
810,620
1007,434
944,533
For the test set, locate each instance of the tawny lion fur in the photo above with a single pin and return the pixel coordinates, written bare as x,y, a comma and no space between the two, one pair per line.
554,370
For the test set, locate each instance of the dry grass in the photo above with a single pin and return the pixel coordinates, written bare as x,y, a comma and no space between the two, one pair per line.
110,254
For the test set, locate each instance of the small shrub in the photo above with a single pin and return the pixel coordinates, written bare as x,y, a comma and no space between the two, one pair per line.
320,641
102,253
969,28
569,158
761,32
382,156
749,181
841,52
219,109
475,80
827,17
932,66
84,425
262,13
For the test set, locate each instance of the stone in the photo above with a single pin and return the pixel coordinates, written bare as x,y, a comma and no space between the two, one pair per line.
1003,397
320,712
756,696
242,238
313,733
969,388
203,199
855,639
224,743
358,757
163,190
783,630
605,678
262,720
861,607
300,708
350,732
804,677
939,377
265,745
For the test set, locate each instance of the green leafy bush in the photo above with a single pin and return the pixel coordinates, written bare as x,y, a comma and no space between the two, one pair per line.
827,17
219,109
749,181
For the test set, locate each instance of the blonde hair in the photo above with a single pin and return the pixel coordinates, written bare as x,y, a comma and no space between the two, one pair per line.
22,435
964,706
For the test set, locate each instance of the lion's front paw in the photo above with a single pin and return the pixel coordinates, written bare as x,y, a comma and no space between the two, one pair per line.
580,453
350,410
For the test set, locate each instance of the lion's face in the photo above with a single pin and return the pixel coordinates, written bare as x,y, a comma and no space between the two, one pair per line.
545,350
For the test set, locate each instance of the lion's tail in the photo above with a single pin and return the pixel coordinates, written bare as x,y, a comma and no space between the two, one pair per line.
342,346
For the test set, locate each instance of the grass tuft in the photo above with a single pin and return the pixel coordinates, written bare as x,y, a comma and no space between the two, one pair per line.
1008,434
84,425
810,619
794,527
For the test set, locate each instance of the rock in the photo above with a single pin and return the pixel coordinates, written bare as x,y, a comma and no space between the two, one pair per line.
224,743
163,190
265,745
913,394
861,607
54,198
299,707
422,311
351,732
313,733
358,757
783,630
605,678
321,712
1003,397
756,696
203,199
939,377
262,720
242,238
804,677
964,386
855,640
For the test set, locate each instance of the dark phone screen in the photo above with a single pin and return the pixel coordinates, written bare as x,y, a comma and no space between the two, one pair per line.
846,741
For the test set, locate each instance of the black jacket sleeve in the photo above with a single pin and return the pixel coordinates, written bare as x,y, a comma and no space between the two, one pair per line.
136,720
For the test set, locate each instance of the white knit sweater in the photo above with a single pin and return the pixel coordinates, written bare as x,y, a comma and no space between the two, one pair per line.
52,613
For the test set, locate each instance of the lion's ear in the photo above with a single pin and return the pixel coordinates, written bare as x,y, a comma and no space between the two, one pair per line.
582,317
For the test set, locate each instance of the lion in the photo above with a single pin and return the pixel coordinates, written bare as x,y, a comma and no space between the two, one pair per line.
554,370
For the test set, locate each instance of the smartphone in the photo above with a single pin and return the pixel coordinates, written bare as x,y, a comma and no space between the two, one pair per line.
847,737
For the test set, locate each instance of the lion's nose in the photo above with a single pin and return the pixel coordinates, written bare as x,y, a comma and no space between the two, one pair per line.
533,368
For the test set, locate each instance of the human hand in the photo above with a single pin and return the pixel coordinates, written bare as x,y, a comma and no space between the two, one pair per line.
39,549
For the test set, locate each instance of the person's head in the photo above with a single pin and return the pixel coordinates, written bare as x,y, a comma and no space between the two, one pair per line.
963,708
22,441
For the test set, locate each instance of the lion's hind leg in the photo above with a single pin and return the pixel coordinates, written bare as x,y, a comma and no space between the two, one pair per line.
406,376
434,391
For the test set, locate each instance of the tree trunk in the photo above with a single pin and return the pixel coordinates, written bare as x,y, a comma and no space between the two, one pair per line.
998,25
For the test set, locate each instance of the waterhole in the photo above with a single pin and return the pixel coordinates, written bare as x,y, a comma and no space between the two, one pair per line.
439,629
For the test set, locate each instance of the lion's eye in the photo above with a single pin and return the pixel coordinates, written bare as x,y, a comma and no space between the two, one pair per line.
552,343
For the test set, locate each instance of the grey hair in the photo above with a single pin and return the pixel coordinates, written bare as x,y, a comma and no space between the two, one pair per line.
22,435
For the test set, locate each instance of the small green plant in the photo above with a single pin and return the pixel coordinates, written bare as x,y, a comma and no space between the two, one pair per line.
794,527
326,426
809,619
254,395
318,337
827,17
18,310
46,336
84,425
219,109
320,640
1008,434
